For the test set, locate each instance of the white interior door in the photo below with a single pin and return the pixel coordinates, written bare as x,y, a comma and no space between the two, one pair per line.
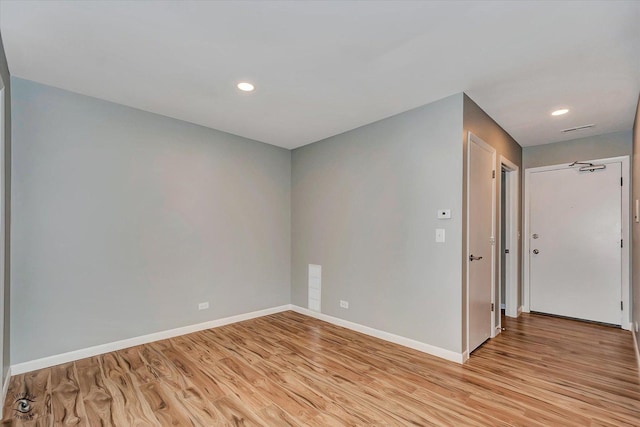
575,255
480,244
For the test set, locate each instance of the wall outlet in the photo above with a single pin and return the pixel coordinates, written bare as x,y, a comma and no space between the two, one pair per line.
203,305
344,304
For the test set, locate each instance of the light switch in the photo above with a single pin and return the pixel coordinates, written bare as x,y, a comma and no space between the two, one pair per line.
440,235
444,213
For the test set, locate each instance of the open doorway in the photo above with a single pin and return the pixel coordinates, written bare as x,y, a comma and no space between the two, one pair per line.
504,248
508,240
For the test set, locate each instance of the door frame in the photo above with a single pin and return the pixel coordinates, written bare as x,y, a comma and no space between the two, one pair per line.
4,378
625,320
512,189
496,304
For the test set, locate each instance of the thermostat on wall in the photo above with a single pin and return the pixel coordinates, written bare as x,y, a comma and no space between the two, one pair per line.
444,213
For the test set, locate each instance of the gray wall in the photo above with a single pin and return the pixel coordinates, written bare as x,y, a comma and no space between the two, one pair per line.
480,124
125,220
4,72
364,207
635,227
589,148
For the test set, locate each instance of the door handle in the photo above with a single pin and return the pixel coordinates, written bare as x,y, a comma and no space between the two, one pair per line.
535,251
474,258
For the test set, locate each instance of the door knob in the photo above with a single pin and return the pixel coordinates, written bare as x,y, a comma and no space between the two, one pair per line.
474,258
535,251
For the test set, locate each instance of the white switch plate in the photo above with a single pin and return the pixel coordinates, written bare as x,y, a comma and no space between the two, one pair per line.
444,213
344,304
440,235
203,305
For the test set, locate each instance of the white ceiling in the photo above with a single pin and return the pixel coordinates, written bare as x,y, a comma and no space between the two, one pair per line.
322,68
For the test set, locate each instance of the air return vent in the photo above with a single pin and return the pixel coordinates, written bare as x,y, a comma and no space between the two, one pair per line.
315,286
577,128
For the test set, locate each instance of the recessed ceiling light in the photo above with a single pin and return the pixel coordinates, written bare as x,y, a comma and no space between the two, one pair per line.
560,112
245,86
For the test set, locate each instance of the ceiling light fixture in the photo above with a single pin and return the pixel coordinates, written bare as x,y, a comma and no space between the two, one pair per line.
246,86
560,112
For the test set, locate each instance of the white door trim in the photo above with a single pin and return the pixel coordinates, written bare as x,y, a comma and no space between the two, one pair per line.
3,228
626,211
496,304
512,184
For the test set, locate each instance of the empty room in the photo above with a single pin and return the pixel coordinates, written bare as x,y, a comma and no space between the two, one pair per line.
320,213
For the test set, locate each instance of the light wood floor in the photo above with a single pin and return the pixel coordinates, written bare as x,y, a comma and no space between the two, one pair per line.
289,369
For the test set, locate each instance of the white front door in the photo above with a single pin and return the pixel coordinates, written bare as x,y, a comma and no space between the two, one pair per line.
575,255
480,214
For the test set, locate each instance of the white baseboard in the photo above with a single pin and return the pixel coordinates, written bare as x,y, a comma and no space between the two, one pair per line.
520,311
503,306
5,388
45,362
387,336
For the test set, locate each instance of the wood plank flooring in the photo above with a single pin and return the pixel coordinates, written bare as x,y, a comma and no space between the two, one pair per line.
291,370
